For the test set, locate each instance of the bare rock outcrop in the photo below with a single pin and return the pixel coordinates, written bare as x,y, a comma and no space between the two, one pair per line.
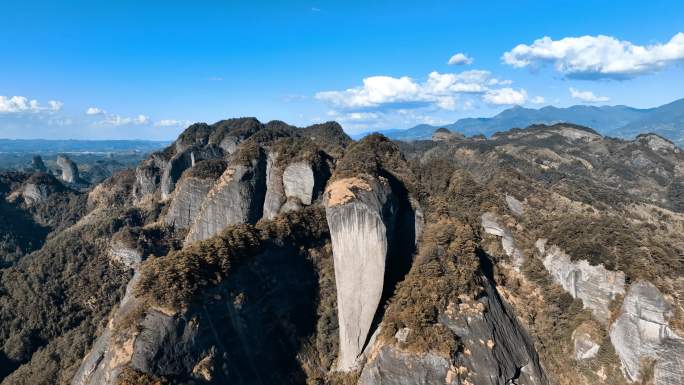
299,181
237,197
496,351
69,169
596,286
183,161
38,187
191,191
584,345
641,333
443,134
360,213
275,192
37,164
490,224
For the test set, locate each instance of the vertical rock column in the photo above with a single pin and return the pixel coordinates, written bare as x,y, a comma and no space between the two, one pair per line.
360,213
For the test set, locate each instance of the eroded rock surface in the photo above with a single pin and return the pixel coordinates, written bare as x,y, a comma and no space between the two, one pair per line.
641,332
275,194
594,285
496,351
490,224
298,181
237,197
187,201
585,347
69,169
360,213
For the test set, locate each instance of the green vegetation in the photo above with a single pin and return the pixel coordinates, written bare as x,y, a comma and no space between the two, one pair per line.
174,280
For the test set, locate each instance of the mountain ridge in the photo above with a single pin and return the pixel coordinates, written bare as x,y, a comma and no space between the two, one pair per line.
616,121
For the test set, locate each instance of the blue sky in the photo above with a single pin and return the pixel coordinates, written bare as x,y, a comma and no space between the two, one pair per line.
144,69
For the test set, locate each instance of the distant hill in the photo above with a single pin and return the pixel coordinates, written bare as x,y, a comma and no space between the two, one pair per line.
45,146
617,121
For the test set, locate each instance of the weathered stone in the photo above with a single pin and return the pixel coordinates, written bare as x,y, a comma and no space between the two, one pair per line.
585,347
125,255
275,194
181,162
187,201
69,169
148,176
594,285
37,164
641,332
490,224
515,205
298,181
237,197
442,134
395,367
496,351
360,213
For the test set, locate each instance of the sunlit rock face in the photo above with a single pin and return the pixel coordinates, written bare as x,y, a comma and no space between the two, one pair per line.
237,197
594,285
187,201
181,162
360,213
496,350
298,181
641,332
584,346
275,194
69,169
490,224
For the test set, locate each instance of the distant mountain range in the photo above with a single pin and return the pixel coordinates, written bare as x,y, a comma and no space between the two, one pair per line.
47,146
616,121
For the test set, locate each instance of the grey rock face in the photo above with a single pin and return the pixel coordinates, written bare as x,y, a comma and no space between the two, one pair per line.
35,193
594,285
496,351
148,176
187,201
69,169
490,224
275,194
127,256
360,213
515,205
237,197
298,181
585,347
181,162
246,339
394,367
37,164
111,352
642,332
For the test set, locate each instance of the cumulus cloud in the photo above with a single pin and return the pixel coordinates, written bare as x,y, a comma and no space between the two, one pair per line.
587,96
460,59
95,111
505,96
171,123
597,56
439,90
21,104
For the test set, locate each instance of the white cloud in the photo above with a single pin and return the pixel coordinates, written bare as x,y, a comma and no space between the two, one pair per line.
385,92
587,96
118,120
95,111
597,56
171,123
505,96
538,100
460,59
21,104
